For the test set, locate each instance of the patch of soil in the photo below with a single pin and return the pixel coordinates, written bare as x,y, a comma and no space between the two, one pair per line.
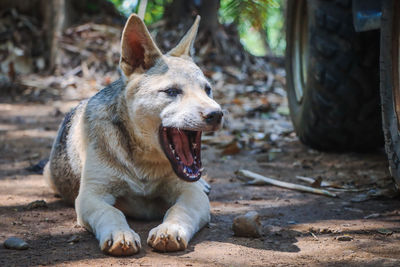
299,228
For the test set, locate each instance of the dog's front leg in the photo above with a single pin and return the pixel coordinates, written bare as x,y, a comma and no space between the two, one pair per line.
96,213
188,215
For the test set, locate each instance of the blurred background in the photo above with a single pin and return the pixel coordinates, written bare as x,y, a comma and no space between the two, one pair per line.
81,37
54,53
66,51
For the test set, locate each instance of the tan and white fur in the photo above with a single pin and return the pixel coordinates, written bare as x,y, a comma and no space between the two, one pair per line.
107,157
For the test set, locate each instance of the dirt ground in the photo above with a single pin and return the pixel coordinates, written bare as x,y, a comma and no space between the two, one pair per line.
299,228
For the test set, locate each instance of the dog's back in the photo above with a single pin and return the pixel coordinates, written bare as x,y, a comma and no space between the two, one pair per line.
63,171
59,173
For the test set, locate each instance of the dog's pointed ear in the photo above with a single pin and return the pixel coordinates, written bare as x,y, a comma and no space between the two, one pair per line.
186,44
138,50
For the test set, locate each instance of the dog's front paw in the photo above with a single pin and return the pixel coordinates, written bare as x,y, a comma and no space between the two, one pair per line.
120,242
168,237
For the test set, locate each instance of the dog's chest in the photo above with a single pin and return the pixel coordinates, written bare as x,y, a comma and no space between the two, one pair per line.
141,187
146,179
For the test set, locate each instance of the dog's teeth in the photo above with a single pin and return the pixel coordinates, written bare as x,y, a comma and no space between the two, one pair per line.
201,169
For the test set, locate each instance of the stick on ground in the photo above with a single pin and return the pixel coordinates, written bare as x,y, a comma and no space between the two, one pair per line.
257,179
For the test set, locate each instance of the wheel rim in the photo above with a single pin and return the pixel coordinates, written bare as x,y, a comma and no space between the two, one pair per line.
300,49
396,63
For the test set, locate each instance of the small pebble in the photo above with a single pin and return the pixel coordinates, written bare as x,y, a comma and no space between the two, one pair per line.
247,225
74,239
344,238
15,243
385,231
37,204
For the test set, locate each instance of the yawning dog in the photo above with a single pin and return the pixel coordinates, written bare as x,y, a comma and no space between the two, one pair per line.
134,148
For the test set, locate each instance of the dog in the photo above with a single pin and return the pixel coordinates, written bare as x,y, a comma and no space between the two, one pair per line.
134,148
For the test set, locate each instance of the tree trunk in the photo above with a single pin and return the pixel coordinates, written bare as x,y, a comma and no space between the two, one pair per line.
209,14
53,16
218,43
177,12
180,11
55,23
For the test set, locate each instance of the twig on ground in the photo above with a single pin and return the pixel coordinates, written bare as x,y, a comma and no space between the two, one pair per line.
316,238
332,186
257,179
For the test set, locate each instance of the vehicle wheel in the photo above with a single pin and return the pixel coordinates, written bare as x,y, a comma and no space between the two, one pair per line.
332,77
390,89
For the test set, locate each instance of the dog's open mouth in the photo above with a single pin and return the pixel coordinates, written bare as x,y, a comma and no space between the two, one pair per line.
182,148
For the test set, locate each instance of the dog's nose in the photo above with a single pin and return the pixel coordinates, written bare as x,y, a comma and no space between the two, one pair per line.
214,117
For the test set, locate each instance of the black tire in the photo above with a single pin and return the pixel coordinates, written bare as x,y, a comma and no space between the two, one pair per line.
339,109
390,89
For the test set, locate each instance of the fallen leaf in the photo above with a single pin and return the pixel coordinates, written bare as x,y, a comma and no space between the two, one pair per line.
231,149
385,231
344,238
373,215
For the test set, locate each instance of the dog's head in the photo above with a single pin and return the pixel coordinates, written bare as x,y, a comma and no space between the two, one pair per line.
169,100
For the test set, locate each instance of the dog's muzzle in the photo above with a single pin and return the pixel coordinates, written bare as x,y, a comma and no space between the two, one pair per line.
183,150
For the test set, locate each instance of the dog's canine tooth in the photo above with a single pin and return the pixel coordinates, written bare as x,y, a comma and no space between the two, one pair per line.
201,169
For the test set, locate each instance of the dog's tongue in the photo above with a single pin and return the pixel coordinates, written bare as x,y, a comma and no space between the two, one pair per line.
182,147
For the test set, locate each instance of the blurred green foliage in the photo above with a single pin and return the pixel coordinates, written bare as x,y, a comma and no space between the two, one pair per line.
253,17
155,10
260,22
126,7
275,28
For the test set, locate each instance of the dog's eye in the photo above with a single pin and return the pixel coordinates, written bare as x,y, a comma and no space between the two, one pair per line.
208,90
173,92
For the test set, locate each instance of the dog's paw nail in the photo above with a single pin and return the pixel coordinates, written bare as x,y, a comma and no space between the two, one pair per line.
178,238
162,236
137,244
122,242
109,243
